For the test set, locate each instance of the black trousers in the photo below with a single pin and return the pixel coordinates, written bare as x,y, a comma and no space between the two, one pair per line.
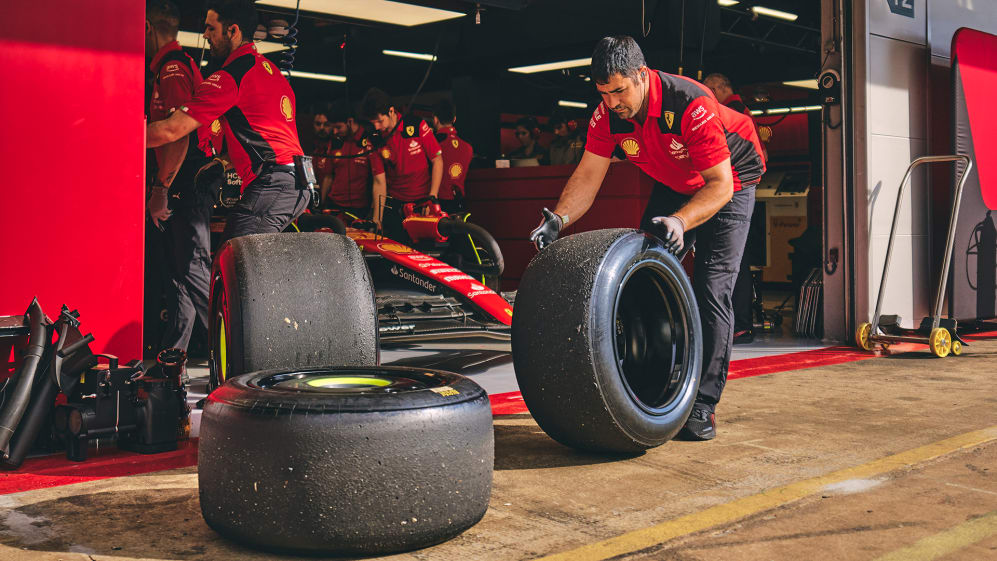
268,204
719,246
187,240
743,298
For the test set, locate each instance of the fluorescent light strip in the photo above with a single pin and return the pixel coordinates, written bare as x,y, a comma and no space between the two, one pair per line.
566,103
574,63
384,11
196,41
808,84
727,3
314,76
777,111
756,111
784,110
403,54
778,14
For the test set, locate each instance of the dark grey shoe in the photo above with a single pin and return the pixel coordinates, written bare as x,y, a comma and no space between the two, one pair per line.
702,424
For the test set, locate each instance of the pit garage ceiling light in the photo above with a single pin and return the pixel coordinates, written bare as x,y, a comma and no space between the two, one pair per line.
384,11
404,54
566,103
778,14
727,3
784,110
552,66
314,76
807,84
196,40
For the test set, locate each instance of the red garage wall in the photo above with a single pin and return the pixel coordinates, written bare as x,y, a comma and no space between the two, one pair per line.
72,153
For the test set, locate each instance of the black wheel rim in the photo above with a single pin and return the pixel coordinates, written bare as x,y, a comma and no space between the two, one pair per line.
651,336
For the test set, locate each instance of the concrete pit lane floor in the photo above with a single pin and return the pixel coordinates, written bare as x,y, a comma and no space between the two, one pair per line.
890,458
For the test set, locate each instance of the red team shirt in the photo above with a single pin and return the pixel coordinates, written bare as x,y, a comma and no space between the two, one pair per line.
686,131
258,106
176,73
405,156
321,160
457,154
351,176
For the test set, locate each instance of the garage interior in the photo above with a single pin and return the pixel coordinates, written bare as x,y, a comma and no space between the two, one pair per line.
825,451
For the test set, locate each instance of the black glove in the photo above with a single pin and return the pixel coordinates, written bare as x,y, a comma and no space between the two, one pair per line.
672,230
548,230
210,177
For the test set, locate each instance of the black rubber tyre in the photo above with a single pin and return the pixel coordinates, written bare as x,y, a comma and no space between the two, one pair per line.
606,341
285,300
345,461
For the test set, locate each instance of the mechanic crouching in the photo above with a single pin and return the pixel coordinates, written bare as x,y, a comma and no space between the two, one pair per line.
259,124
706,160
406,148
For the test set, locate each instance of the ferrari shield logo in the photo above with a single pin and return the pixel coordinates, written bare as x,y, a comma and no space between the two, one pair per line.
410,130
267,67
669,118
455,143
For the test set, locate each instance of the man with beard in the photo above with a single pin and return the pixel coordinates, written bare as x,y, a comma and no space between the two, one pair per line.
705,159
259,126
322,145
186,226
355,165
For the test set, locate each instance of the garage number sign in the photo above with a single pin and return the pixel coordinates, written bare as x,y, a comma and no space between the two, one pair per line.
902,7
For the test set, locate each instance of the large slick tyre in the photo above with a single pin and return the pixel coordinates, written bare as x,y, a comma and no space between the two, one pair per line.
285,300
606,341
345,461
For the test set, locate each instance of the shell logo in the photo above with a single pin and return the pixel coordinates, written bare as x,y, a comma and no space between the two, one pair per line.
267,67
386,154
216,126
285,108
394,247
456,170
630,146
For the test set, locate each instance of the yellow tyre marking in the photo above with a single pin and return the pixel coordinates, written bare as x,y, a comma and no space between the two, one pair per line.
949,541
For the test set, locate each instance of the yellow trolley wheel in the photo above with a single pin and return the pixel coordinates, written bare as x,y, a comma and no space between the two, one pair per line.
956,348
940,342
862,336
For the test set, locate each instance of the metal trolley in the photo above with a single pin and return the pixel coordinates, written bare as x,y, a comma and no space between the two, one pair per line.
939,334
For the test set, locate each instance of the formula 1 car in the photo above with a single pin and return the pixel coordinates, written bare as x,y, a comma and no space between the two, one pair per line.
436,286
441,284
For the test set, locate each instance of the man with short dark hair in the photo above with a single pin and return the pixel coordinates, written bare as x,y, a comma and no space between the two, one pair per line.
706,160
260,132
176,205
322,144
406,148
355,166
457,154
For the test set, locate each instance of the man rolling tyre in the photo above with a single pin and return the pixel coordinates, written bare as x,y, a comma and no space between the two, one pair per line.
705,159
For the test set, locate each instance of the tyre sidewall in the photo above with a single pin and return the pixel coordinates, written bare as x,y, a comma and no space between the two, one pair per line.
627,254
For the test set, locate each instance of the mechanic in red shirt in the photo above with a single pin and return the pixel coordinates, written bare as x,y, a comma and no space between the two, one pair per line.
355,165
457,154
322,145
260,132
744,291
706,160
406,148
186,218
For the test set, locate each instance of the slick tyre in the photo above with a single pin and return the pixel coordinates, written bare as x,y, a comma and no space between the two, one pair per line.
345,461
607,342
285,300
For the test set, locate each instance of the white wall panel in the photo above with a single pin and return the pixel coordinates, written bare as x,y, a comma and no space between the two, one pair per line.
888,160
946,16
897,97
909,282
885,23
